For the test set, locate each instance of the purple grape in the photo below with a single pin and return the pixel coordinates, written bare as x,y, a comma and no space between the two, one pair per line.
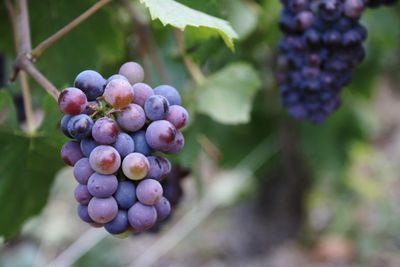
353,8
118,93
116,76
71,153
105,160
178,145
132,118
72,101
163,208
132,71
80,126
170,93
91,83
149,192
105,131
102,210
135,166
142,217
156,107
119,224
141,93
64,125
83,214
102,186
125,194
166,166
178,116
160,135
141,146
82,171
87,146
124,144
82,194
91,108
156,168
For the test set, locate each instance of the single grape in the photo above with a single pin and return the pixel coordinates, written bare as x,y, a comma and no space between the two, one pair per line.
141,146
353,8
102,210
105,159
141,92
170,93
160,135
132,71
132,118
105,131
102,186
118,93
82,194
135,166
178,145
71,153
156,107
166,166
163,208
91,83
149,192
119,224
125,194
87,146
64,125
80,126
116,76
72,101
142,217
124,144
83,214
156,168
82,171
178,116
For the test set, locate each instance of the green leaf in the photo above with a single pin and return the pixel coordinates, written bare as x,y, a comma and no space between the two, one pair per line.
181,16
227,95
243,16
8,117
28,167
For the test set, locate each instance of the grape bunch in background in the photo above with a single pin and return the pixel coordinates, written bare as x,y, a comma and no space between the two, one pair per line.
322,44
121,128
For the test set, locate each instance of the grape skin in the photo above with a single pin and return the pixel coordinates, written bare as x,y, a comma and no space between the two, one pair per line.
132,71
156,168
72,101
166,166
118,93
141,146
102,210
125,194
64,125
87,146
82,194
178,144
142,217
105,131
149,192
135,166
156,107
91,83
80,126
178,116
82,211
82,171
71,153
116,76
119,224
163,208
170,93
102,186
142,92
105,159
132,118
160,135
124,144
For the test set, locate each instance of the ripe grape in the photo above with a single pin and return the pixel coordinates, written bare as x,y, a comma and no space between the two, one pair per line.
142,92
102,186
118,93
149,192
163,208
83,213
72,101
170,93
178,144
156,168
133,72
91,83
105,159
116,76
160,135
80,126
156,107
142,217
119,224
71,153
102,210
125,194
82,171
87,146
178,116
166,166
105,131
141,146
82,194
124,144
135,166
64,125
132,118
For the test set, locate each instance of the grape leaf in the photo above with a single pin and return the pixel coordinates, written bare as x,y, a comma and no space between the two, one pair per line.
181,16
8,117
227,95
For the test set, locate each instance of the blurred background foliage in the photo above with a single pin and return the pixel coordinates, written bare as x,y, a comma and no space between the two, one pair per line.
334,187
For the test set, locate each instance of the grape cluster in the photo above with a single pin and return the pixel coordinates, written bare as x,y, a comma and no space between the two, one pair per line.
119,126
322,45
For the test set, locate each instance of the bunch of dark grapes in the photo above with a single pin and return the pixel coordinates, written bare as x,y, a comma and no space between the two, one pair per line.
120,128
323,43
